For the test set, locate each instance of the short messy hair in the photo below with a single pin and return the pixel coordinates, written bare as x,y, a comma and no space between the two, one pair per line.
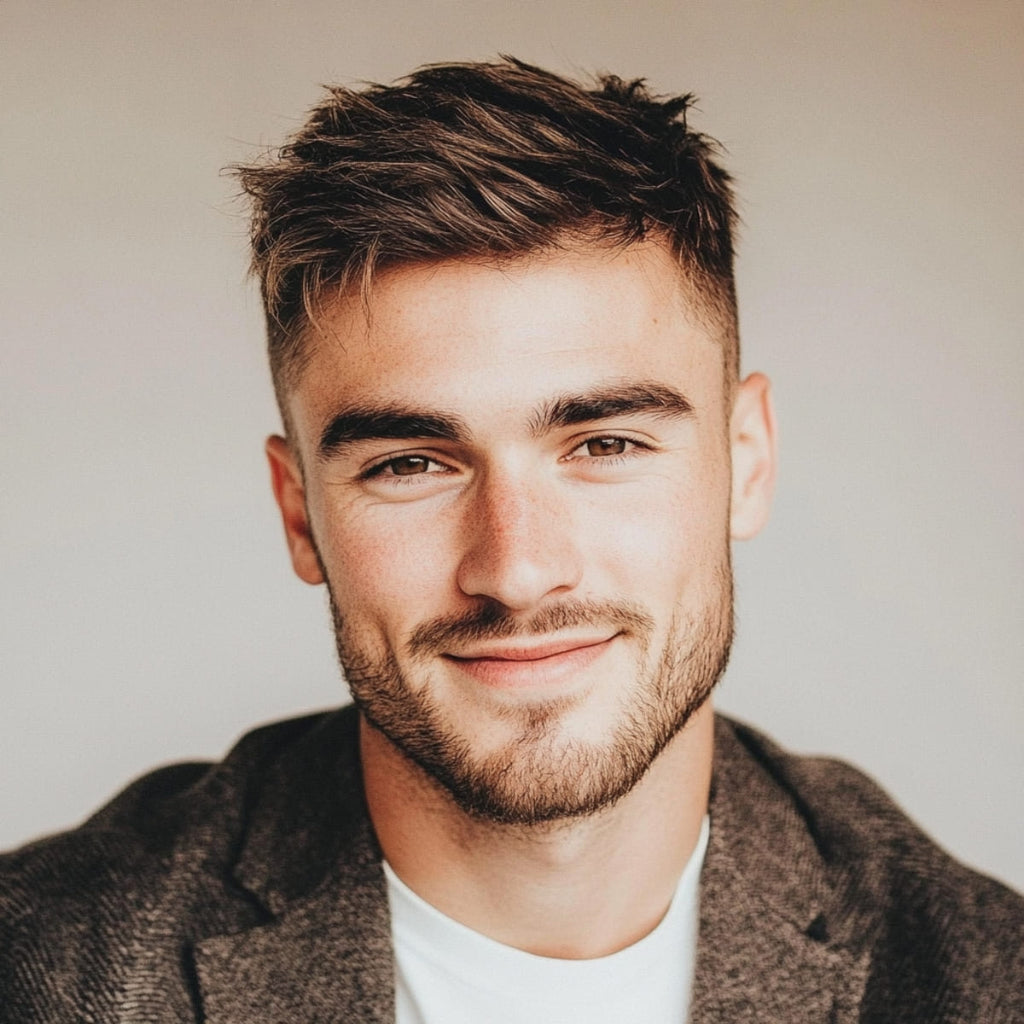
482,160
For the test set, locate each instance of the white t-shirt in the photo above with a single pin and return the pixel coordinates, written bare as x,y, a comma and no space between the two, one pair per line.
449,974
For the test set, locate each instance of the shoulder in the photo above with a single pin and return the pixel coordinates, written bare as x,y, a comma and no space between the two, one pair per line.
928,919
148,872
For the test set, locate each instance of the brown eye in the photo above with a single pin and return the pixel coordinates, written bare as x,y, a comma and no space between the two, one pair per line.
409,465
599,446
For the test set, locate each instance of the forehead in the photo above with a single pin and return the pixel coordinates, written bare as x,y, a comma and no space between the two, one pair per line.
488,336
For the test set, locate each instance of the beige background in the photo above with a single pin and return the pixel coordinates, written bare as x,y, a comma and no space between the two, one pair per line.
148,609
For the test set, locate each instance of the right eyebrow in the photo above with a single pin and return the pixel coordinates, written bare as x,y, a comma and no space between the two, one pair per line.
371,423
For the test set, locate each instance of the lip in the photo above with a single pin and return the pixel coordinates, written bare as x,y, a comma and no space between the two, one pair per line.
539,664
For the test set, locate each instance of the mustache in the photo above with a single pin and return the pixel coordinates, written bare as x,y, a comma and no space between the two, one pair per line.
492,622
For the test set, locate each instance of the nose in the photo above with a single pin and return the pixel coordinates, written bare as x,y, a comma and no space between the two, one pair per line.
520,543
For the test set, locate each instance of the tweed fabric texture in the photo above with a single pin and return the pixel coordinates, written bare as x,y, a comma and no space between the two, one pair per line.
251,891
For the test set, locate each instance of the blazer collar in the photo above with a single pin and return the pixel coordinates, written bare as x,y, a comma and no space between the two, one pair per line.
769,948
311,860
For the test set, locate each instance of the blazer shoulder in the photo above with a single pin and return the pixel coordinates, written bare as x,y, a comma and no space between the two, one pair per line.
82,909
160,808
933,922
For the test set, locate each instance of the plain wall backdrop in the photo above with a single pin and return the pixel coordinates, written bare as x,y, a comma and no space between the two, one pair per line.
149,612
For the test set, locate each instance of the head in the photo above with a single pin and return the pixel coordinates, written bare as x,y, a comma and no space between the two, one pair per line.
503,335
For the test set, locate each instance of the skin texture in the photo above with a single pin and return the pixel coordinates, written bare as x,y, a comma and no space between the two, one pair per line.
531,587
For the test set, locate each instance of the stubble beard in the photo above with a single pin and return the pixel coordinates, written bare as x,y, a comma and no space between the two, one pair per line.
536,777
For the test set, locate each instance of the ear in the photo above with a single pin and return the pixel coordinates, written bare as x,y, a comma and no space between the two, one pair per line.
290,492
752,438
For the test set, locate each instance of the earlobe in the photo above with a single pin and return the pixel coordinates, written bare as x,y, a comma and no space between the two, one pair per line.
290,493
752,437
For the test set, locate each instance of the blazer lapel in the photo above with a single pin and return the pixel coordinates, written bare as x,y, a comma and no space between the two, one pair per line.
326,961
765,952
310,859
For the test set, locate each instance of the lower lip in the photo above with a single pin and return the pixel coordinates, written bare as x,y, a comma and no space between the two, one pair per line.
509,674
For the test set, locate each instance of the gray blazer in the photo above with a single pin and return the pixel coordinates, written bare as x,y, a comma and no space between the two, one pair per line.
251,892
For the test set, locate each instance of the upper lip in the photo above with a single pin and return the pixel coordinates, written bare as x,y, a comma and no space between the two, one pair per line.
527,651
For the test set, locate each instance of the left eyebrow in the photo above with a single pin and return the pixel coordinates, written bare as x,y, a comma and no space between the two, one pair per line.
608,400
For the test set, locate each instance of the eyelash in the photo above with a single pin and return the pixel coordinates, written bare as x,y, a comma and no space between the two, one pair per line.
380,469
632,450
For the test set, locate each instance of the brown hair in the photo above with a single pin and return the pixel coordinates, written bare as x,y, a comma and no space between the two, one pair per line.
488,160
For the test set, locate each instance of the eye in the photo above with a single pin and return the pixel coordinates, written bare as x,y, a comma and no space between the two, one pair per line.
599,446
405,465
607,450
408,465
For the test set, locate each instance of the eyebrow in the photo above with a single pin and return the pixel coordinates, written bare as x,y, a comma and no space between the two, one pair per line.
366,423
354,424
608,400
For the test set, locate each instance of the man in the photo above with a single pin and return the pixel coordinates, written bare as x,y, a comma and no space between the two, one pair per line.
503,335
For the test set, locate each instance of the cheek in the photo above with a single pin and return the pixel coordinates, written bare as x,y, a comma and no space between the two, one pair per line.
656,540
663,539
385,567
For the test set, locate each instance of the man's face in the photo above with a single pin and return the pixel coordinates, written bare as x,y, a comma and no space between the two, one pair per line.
516,480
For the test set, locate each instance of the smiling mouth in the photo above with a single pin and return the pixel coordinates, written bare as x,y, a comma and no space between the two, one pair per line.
535,665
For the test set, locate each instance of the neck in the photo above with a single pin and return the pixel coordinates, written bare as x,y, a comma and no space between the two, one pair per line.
578,888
